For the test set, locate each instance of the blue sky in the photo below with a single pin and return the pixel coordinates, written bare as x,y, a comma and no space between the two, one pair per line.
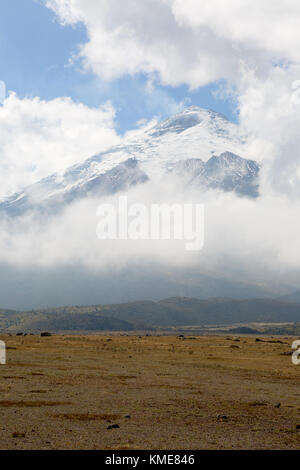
34,61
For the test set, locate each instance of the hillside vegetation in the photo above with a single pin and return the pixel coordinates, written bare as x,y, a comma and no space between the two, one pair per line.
132,316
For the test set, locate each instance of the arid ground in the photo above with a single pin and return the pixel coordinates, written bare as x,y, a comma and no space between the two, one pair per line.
63,392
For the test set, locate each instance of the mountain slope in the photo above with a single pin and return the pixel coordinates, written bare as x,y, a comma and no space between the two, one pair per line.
228,172
51,196
150,154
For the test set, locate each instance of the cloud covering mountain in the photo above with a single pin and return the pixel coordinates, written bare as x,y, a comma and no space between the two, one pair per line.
253,46
50,227
161,152
59,153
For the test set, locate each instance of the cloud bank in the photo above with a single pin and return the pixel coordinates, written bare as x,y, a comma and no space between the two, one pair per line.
183,41
39,137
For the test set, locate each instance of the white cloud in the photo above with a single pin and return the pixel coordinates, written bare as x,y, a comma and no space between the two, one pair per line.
270,113
260,240
42,137
129,37
270,27
183,41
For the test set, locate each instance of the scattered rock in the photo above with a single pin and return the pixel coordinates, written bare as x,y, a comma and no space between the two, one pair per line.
298,427
234,346
278,405
45,334
113,426
222,418
20,334
17,435
128,417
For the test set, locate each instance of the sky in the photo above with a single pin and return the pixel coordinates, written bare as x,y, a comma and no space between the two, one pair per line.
81,74
35,61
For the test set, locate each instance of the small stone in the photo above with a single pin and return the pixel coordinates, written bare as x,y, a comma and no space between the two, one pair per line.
16,435
113,426
222,418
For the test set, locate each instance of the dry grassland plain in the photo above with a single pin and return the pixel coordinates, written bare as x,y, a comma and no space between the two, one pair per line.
217,392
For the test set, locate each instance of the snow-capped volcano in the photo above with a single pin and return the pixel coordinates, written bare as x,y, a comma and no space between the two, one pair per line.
202,144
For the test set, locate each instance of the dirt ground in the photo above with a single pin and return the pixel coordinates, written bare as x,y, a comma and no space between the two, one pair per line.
63,392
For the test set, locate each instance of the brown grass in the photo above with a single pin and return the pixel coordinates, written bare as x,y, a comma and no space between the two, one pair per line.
258,403
86,416
173,398
30,404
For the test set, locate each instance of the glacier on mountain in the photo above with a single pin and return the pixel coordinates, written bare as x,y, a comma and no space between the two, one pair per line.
200,146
